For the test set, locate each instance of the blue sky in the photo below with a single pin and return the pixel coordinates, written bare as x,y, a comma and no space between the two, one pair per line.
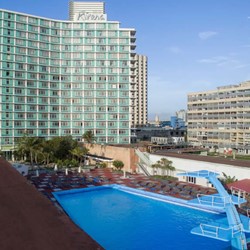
192,45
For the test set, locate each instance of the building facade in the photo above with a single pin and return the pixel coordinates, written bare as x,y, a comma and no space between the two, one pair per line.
177,123
221,118
182,114
140,117
171,140
66,77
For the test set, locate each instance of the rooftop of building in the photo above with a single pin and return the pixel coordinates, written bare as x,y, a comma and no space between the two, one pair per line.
30,221
241,184
187,154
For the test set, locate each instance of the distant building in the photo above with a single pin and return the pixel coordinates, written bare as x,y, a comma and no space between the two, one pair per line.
170,140
182,114
177,122
165,124
220,118
140,116
146,134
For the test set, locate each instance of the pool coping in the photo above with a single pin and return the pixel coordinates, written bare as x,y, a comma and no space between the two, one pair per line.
144,193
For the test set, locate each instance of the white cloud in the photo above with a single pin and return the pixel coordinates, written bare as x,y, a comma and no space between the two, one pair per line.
207,34
214,60
223,61
240,66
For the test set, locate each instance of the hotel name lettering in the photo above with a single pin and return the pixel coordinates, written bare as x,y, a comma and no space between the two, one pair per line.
86,16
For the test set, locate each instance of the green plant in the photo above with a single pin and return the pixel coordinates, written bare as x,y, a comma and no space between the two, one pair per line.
88,137
226,179
102,164
118,164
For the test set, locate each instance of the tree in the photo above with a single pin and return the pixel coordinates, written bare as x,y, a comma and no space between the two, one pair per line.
88,137
61,147
118,164
79,153
47,152
28,148
226,179
164,164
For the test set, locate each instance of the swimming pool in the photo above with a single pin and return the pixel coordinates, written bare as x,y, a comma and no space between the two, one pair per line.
121,220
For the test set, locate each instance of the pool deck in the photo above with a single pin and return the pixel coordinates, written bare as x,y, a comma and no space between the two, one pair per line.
29,221
49,182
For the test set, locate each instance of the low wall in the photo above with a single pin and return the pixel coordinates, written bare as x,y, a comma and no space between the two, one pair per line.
125,154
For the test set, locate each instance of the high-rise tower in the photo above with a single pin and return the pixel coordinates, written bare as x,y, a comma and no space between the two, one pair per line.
66,77
141,91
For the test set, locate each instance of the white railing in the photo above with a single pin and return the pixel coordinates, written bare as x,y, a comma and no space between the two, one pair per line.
144,158
213,200
205,228
144,169
211,230
237,229
239,192
248,215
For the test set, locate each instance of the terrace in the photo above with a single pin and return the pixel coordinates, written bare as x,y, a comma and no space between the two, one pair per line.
52,181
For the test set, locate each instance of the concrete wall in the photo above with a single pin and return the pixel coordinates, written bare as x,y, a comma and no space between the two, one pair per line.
183,165
125,154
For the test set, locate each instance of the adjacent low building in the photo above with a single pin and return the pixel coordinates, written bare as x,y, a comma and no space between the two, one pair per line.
190,162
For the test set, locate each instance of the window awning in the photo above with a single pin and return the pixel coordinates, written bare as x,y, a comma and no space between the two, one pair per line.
99,158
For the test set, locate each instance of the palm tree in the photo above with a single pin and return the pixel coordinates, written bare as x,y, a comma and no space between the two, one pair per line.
164,164
156,166
88,137
47,152
28,148
79,152
227,179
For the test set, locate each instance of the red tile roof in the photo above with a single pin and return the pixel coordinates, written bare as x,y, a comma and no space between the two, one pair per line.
30,221
242,184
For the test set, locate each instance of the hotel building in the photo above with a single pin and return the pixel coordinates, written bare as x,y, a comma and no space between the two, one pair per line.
67,77
221,118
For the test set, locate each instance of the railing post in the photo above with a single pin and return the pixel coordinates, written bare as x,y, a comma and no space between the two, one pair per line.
202,229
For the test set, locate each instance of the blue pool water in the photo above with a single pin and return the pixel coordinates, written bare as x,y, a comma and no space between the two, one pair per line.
120,220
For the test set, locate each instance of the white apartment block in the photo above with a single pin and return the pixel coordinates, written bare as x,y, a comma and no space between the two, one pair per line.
220,118
140,116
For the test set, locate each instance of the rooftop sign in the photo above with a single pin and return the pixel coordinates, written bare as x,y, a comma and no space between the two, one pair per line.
87,16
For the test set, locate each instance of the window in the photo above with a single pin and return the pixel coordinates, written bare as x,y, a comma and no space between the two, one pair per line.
191,179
